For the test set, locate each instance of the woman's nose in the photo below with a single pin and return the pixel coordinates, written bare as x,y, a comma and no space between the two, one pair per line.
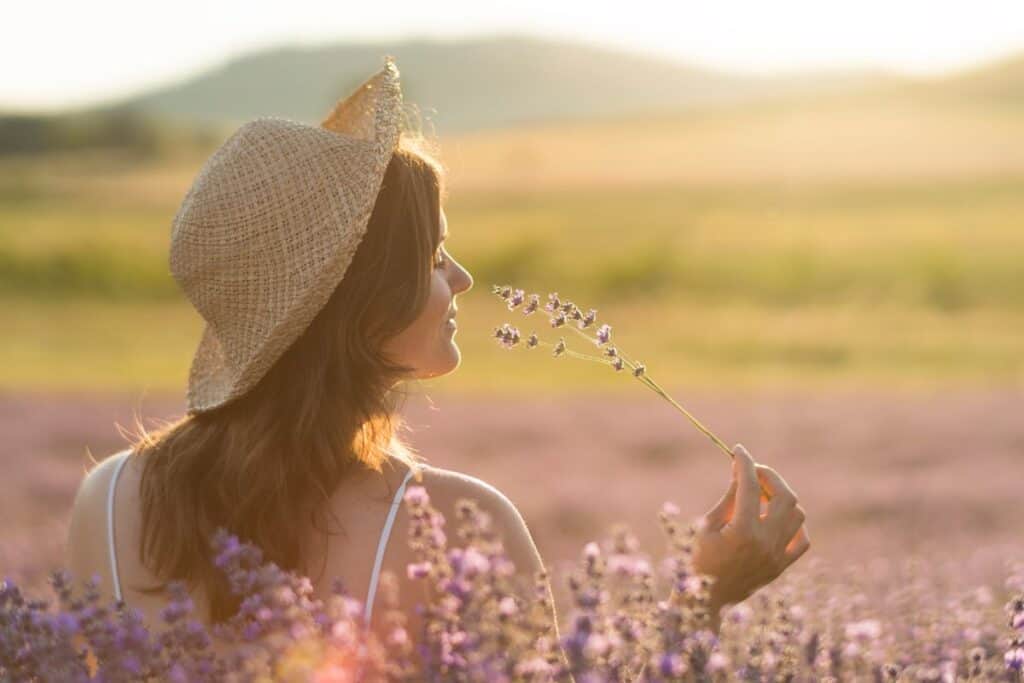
461,279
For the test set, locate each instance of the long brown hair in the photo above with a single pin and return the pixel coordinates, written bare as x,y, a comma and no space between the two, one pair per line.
265,463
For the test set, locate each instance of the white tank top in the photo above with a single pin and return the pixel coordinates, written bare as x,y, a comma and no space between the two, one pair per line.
374,577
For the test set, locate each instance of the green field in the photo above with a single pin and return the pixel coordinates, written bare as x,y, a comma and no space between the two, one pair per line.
846,276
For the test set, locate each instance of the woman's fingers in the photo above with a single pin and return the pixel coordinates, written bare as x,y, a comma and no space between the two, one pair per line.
723,511
782,499
748,490
799,545
784,516
789,527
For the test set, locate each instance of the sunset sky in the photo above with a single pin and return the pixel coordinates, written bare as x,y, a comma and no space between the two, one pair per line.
88,52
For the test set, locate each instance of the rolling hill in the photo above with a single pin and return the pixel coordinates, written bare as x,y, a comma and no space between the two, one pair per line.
472,84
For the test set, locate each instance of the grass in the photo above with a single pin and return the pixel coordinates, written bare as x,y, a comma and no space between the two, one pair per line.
832,276
146,346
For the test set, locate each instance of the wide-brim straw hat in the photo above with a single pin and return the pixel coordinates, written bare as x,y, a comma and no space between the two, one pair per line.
269,227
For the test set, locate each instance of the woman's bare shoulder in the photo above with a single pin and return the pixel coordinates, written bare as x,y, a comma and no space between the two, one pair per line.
92,491
87,525
447,487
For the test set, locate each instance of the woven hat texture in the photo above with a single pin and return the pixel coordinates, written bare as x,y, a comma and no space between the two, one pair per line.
269,226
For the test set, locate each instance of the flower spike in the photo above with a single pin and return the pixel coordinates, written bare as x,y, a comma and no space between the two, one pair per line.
561,313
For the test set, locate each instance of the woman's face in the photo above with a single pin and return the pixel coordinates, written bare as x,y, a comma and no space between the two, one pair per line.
428,344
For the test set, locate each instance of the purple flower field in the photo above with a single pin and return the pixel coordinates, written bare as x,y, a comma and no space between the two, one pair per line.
912,507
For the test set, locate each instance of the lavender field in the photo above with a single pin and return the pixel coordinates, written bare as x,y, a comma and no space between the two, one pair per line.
882,476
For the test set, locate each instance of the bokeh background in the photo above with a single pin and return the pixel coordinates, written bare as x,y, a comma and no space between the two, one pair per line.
807,221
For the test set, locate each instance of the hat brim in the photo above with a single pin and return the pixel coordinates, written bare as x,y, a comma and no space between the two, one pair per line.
209,376
217,375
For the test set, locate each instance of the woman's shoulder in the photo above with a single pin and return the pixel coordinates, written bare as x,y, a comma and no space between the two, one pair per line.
87,526
94,487
446,487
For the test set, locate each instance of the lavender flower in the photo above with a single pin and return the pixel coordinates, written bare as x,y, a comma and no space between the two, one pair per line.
483,622
516,298
563,311
507,335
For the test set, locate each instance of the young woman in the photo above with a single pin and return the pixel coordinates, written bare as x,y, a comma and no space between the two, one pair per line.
317,258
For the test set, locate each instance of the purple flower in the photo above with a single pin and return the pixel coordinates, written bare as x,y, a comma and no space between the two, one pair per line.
532,304
532,341
67,623
604,334
672,665
507,606
507,335
1014,659
517,297
416,496
553,305
559,347
228,553
418,570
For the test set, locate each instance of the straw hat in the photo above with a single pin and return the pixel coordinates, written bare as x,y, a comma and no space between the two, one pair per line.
270,225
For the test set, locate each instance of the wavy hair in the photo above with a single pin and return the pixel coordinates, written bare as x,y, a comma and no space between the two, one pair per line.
326,409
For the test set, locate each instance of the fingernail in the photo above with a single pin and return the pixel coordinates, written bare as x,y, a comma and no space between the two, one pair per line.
740,449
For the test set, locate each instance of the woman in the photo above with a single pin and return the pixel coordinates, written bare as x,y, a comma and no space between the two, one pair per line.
317,258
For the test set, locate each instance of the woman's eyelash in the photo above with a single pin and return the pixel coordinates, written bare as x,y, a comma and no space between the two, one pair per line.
439,259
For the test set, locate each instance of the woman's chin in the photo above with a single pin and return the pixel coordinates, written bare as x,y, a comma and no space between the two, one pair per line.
446,365
454,359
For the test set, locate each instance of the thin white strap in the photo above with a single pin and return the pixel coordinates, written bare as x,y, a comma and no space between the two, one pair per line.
382,546
110,524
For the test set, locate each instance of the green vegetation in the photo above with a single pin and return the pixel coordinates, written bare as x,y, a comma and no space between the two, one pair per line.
897,285
869,240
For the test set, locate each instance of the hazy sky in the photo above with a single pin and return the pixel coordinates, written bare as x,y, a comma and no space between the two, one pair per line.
69,53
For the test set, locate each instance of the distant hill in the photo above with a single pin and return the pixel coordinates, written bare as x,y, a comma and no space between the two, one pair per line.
999,82
469,85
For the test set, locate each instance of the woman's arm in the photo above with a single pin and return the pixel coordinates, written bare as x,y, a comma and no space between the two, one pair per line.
516,538
446,487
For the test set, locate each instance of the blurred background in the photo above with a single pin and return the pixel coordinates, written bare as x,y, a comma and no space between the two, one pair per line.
805,218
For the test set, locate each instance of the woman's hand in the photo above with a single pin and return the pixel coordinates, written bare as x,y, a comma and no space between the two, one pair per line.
739,547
